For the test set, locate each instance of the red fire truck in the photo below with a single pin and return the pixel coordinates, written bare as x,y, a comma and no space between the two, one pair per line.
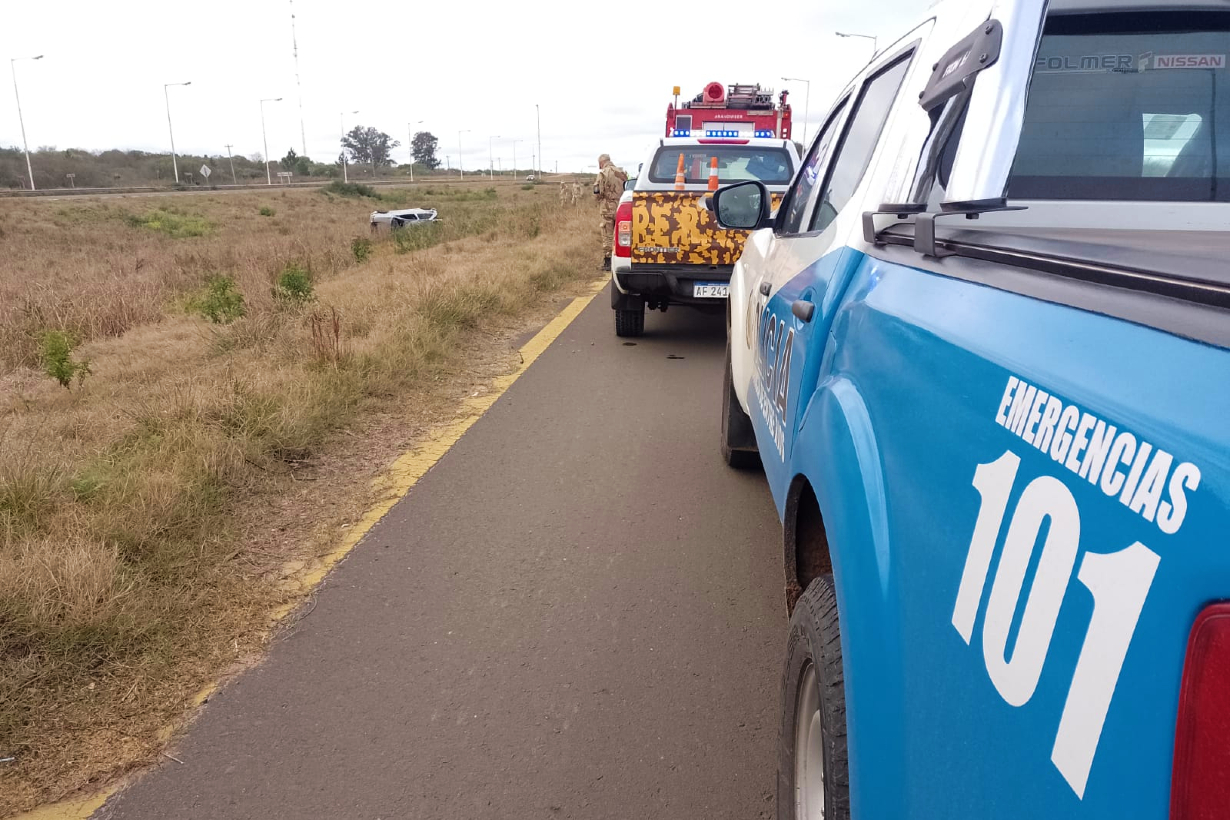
734,112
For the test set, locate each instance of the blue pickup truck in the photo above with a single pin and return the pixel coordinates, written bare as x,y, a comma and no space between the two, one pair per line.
982,351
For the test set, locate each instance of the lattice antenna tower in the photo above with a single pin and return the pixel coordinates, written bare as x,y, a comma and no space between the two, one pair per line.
294,42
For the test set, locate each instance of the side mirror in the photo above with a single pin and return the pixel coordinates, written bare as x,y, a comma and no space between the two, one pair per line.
743,206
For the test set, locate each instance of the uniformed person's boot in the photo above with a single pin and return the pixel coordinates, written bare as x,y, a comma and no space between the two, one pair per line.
606,261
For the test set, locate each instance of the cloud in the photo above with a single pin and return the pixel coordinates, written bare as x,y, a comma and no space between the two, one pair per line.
599,86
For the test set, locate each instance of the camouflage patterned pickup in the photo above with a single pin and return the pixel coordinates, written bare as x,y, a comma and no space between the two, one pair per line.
670,227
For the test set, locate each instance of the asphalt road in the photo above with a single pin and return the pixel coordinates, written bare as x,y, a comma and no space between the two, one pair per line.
576,613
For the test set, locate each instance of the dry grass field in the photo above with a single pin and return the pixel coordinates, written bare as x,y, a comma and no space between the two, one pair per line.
231,360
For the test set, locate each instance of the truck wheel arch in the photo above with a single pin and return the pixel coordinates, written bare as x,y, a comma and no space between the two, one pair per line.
835,518
805,541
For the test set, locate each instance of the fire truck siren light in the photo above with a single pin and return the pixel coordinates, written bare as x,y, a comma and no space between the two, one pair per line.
736,112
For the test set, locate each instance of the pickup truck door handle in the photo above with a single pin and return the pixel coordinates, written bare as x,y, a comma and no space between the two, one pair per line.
765,287
803,309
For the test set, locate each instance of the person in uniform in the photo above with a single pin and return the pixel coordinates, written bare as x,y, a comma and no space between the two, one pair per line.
576,194
563,193
608,188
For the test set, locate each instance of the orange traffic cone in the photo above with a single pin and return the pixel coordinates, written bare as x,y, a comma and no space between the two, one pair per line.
680,179
713,178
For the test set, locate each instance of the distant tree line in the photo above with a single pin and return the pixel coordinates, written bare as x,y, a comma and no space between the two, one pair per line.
364,146
111,169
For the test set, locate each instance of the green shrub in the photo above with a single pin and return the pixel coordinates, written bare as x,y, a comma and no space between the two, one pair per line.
294,284
220,303
174,225
351,189
267,211
86,485
361,247
529,186
56,353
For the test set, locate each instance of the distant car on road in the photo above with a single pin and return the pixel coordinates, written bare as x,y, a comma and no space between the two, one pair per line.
401,218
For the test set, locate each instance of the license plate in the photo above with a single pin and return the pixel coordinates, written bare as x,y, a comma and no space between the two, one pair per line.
710,290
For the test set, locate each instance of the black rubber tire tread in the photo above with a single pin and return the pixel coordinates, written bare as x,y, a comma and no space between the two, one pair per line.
630,323
737,433
815,636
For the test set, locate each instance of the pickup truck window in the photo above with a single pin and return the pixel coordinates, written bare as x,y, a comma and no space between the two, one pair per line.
800,193
862,135
736,163
1129,107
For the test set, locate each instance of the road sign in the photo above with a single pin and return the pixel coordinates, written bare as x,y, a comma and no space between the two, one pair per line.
205,172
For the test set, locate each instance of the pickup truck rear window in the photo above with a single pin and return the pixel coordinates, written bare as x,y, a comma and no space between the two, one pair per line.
736,163
1129,107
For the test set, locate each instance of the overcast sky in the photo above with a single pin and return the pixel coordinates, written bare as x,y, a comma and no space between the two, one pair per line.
602,79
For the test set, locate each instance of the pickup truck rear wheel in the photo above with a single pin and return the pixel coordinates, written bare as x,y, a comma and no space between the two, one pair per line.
630,322
813,775
738,438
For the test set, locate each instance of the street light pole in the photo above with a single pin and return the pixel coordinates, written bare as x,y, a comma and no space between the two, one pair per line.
875,42
410,145
20,118
460,171
806,103
341,118
231,160
166,96
514,171
265,139
490,161
538,156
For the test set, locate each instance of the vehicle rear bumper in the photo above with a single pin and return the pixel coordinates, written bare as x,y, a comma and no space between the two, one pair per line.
620,265
671,282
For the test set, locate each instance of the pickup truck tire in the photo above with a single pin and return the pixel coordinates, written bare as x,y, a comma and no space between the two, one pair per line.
629,322
738,438
813,772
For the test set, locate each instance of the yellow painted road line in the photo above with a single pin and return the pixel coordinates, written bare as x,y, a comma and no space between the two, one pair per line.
78,809
397,480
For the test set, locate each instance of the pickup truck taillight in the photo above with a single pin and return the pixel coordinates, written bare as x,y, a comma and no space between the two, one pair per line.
1200,782
623,229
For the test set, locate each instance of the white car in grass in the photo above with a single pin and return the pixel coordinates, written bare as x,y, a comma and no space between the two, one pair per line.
402,217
